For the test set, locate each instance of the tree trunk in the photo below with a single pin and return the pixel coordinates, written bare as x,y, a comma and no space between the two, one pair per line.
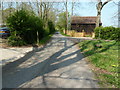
38,15
98,19
16,6
2,12
10,6
66,19
41,10
66,27
37,38
99,8
38,10
72,9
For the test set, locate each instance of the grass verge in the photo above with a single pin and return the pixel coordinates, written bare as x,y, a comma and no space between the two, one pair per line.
45,39
104,61
64,34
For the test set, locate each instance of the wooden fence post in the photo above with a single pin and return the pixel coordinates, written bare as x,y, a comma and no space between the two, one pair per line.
83,33
93,35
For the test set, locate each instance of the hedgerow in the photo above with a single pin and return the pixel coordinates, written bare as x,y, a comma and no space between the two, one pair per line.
107,33
27,27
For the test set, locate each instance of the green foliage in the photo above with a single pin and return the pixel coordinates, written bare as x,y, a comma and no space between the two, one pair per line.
28,27
110,33
51,27
108,80
7,12
19,21
45,39
15,41
105,58
61,32
61,23
21,24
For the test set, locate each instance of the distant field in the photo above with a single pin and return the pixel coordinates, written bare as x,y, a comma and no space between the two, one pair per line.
104,60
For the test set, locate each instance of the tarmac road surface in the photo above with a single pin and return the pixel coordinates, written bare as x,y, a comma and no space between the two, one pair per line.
57,65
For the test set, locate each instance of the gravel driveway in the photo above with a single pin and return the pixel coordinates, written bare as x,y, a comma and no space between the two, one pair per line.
57,65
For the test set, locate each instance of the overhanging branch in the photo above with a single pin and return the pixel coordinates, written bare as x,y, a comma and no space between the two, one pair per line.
106,2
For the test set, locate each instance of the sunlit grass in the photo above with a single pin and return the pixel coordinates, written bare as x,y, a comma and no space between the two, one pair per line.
105,58
64,34
45,39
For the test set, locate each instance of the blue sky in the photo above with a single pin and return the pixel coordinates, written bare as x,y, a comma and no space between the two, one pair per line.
108,12
89,9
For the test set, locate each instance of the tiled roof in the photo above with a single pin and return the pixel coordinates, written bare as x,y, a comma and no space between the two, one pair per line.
83,20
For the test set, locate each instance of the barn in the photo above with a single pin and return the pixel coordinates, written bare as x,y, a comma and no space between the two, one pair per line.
87,24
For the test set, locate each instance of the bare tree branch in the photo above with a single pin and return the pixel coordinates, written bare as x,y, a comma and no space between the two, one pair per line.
99,7
106,2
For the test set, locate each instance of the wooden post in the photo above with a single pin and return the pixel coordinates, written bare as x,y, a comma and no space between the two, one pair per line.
83,33
93,35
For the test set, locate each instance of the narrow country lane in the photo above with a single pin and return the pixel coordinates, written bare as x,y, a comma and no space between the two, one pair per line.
57,65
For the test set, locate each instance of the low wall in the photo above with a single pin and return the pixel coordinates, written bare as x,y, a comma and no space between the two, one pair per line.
73,33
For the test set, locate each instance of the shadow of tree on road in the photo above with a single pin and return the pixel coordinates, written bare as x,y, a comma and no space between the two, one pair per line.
95,49
16,63
23,75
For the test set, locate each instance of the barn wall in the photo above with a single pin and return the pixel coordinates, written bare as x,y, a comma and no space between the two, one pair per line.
88,28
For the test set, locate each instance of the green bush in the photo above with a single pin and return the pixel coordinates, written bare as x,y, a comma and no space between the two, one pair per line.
25,25
19,21
51,27
15,41
21,25
28,27
110,33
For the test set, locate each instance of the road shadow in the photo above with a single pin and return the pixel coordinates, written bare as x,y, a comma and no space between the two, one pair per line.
96,49
22,75
27,56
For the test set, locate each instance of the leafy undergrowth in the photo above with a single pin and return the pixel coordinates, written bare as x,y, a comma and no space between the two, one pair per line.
104,59
45,39
64,34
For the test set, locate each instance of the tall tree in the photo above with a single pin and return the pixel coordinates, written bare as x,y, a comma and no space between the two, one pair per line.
119,14
16,5
2,12
10,6
99,7
116,16
38,7
72,9
46,8
61,22
66,7
38,11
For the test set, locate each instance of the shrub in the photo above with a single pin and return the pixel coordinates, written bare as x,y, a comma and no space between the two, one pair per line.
51,27
25,25
19,21
21,25
15,41
110,33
